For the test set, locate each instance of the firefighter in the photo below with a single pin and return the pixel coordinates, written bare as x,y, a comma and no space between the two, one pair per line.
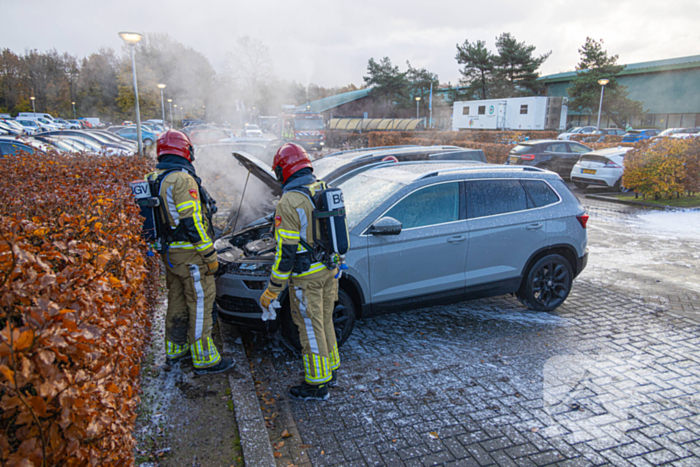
189,257
287,132
313,289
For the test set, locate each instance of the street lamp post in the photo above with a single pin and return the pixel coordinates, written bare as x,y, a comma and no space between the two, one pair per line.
417,107
170,103
73,104
33,107
602,83
162,104
131,39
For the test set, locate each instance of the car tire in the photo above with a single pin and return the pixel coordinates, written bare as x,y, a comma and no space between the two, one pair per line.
618,185
581,185
547,283
148,142
343,321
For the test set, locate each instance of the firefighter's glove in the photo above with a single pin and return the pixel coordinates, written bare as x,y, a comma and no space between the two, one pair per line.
266,298
213,267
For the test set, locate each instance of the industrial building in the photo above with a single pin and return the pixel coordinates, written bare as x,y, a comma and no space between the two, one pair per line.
669,89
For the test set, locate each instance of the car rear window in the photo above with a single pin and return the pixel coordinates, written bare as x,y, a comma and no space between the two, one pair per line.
492,197
521,149
540,194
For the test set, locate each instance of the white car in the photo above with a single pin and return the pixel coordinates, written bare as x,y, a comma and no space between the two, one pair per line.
253,130
686,133
603,167
579,130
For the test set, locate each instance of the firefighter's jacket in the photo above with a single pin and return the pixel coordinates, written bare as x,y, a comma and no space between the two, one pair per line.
187,216
293,221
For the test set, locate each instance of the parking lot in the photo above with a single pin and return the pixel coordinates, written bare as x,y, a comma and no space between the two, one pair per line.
611,377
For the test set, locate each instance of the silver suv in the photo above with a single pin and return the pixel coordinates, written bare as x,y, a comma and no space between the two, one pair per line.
424,233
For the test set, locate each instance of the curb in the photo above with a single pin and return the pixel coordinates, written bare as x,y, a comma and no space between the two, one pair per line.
638,203
255,443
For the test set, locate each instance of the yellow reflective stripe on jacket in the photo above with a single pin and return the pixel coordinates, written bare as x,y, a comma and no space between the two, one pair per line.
182,245
315,267
276,273
196,207
288,234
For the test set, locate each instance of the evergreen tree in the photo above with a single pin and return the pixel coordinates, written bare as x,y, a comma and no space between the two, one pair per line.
387,82
516,67
477,72
584,92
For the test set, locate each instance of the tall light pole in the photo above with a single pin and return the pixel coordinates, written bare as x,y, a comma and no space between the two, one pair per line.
602,83
170,103
73,104
131,39
162,104
417,107
33,107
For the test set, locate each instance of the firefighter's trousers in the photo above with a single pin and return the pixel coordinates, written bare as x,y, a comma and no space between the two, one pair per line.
312,300
188,321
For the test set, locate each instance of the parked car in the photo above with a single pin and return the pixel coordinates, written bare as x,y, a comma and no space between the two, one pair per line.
633,136
105,145
423,233
116,139
31,126
21,129
149,138
252,130
579,130
603,167
42,123
10,129
557,156
10,146
686,133
69,124
668,132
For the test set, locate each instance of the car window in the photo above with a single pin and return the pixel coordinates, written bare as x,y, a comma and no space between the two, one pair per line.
521,149
578,148
432,205
492,197
557,147
539,193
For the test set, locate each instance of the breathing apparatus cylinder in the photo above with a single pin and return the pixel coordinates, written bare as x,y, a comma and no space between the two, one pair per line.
330,212
150,232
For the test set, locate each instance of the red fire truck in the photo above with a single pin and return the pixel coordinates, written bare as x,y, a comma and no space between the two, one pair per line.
306,129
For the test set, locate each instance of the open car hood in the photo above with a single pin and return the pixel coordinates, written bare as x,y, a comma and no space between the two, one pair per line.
260,170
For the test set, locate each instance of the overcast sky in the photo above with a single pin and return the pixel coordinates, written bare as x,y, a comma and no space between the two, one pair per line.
329,42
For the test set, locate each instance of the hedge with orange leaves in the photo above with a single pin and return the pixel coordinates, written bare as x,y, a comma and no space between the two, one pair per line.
76,293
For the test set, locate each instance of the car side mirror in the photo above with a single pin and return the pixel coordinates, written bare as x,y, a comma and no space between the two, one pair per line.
386,226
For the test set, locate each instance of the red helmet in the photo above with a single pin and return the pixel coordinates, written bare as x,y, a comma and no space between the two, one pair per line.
176,143
290,159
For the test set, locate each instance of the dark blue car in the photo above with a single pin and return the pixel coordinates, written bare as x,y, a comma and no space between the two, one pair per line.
633,136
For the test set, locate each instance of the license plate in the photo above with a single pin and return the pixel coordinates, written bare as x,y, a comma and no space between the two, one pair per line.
588,171
514,159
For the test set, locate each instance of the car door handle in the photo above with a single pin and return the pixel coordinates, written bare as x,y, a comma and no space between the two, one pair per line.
534,226
459,238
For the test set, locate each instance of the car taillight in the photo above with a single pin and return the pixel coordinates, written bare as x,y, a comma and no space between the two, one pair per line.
583,220
528,157
612,165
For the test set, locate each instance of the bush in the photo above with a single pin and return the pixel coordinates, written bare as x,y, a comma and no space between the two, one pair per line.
659,168
76,289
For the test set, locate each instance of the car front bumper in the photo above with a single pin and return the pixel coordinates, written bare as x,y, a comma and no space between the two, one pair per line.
238,295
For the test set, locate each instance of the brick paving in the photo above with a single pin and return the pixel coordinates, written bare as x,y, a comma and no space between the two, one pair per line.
606,380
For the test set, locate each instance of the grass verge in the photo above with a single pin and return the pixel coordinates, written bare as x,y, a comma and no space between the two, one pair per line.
682,202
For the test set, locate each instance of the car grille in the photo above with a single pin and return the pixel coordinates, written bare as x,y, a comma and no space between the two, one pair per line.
255,285
238,304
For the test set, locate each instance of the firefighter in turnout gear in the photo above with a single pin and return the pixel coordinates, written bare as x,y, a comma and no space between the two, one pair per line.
313,289
188,254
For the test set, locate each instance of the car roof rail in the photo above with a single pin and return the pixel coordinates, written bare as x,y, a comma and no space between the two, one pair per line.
481,166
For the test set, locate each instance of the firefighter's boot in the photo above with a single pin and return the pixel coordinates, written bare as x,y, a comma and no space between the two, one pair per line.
309,392
334,379
224,364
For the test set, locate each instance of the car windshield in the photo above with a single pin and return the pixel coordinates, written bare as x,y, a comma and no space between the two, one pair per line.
576,129
307,123
364,193
252,127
